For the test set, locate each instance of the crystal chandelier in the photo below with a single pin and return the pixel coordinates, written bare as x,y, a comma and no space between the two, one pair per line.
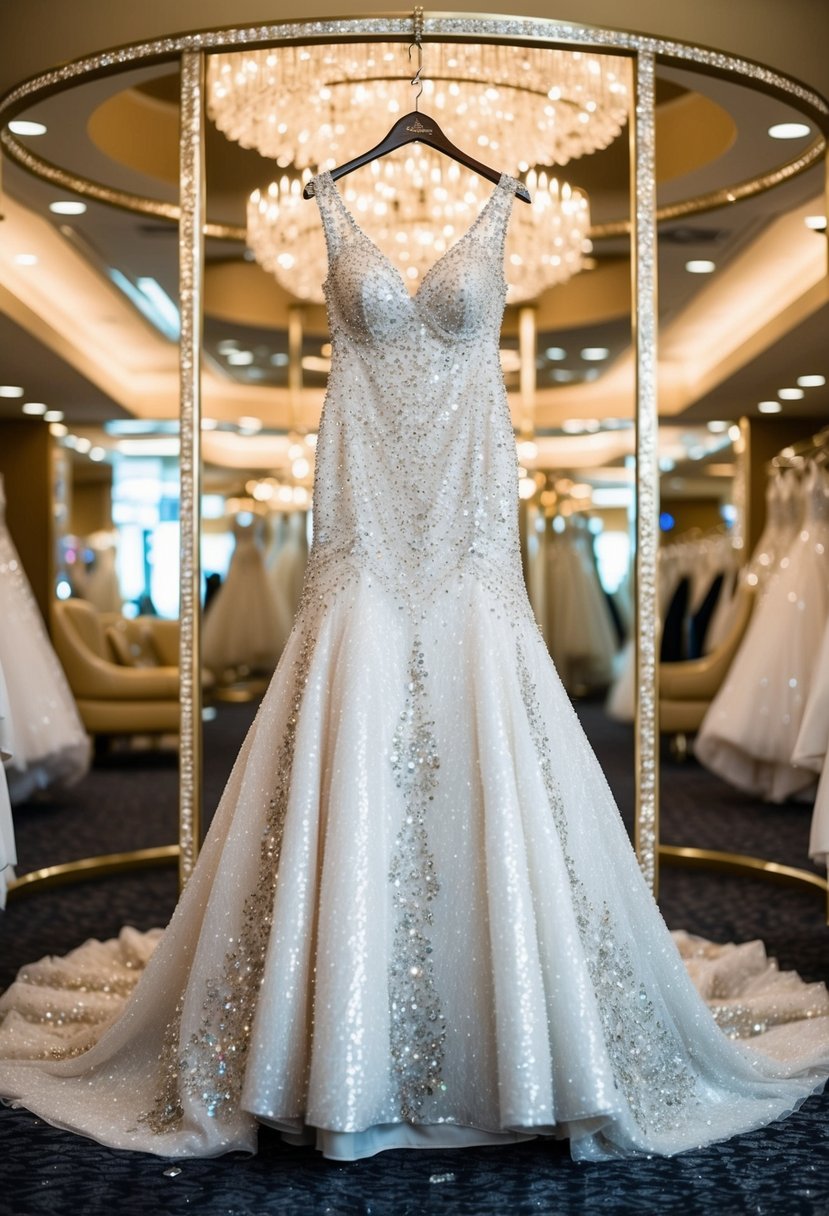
315,106
414,206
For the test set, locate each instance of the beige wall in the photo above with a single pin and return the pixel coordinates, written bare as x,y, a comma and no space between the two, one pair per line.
26,468
792,35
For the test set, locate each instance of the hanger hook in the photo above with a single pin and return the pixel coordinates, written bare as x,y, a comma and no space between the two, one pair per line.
417,44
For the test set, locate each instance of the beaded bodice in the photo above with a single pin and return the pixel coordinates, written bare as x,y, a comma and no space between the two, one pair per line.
416,466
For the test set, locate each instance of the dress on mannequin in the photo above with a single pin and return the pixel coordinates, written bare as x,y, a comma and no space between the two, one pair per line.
749,733
812,750
417,919
51,747
101,586
241,624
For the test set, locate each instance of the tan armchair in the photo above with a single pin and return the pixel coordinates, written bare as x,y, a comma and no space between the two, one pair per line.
687,689
114,699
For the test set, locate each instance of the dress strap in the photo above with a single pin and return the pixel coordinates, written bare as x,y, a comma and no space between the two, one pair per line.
491,225
336,221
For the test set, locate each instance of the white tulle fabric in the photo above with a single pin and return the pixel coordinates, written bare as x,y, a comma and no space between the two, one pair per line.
51,747
750,731
417,919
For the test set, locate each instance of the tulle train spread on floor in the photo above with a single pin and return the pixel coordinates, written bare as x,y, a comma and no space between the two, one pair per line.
417,919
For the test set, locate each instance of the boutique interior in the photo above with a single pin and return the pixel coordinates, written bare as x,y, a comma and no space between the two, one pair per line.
149,570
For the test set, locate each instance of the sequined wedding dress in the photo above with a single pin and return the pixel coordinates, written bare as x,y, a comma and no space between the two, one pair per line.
417,920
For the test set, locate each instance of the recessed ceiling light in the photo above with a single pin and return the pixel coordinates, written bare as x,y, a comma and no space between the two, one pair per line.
25,259
35,408
53,416
83,445
790,394
59,430
11,390
769,407
280,359
717,427
666,465
239,358
248,425
562,376
67,206
700,266
23,126
594,354
816,222
734,432
790,130
209,424
226,346
811,381
556,353
96,453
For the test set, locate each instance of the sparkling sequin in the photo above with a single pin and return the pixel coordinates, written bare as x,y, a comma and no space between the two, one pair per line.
418,1031
210,1067
649,1062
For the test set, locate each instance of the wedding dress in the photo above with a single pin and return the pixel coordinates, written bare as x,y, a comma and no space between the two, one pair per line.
51,747
241,625
750,730
8,856
416,919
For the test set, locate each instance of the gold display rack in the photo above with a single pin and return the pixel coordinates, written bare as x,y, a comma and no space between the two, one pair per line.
188,51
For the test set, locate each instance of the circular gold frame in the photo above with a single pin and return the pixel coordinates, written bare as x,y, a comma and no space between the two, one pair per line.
644,51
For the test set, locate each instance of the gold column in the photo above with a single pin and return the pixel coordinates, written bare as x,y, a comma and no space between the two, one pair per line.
643,294
191,275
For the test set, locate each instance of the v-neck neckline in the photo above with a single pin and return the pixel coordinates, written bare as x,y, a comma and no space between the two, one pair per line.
412,296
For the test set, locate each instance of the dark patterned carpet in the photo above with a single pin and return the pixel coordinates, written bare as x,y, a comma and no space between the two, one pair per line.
131,802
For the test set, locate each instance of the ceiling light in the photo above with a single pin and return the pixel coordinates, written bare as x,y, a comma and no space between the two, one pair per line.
769,407
248,425
23,126
280,359
811,381
59,430
35,408
734,432
816,222
53,416
700,266
527,449
562,376
11,390
717,428
790,394
572,426
83,445
239,358
556,353
209,424
513,104
68,206
25,259
594,354
226,346
301,468
666,465
790,130
96,453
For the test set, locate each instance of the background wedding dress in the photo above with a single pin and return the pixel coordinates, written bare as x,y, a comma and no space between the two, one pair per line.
417,919
242,626
51,747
